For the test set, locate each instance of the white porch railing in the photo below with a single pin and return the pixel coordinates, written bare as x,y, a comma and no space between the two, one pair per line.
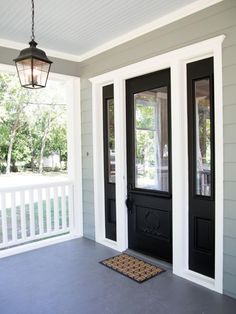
35,212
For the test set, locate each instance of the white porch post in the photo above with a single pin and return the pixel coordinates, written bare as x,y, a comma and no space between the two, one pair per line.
74,154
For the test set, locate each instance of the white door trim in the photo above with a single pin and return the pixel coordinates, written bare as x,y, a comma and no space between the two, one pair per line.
176,60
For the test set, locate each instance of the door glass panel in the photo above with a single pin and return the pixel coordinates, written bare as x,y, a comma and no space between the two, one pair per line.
203,137
151,139
111,141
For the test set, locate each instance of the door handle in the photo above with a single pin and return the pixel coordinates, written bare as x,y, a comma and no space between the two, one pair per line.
130,204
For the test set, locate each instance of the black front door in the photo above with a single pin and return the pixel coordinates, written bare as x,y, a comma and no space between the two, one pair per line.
149,200
201,167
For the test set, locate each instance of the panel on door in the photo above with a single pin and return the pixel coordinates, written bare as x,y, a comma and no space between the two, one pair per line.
200,88
109,162
149,164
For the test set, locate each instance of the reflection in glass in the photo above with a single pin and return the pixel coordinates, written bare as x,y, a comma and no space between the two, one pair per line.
151,140
111,141
203,137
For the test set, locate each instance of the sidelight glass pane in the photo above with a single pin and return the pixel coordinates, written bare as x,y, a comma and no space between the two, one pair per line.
151,139
111,141
203,136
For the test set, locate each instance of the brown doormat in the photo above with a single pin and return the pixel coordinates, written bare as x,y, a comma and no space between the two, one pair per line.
132,267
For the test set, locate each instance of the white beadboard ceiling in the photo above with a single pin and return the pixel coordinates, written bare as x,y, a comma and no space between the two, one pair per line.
82,28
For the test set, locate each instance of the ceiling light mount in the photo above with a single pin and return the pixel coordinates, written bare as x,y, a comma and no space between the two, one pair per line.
32,64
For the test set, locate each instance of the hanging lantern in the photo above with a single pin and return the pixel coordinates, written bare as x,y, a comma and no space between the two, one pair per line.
32,64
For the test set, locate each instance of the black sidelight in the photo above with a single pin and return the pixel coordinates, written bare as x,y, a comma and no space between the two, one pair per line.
109,162
200,86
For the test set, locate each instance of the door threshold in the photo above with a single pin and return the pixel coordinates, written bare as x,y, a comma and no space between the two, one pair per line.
150,259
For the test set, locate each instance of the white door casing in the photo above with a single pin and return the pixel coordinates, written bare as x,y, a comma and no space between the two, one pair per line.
175,60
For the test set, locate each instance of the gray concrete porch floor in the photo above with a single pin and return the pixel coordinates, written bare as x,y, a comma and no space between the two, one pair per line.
67,279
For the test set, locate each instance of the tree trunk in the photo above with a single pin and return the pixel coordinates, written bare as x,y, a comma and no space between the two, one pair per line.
14,129
31,145
60,159
32,164
14,166
44,138
9,153
41,154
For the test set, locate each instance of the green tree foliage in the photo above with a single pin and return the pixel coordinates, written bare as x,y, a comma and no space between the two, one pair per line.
32,125
145,130
13,102
111,120
57,142
204,125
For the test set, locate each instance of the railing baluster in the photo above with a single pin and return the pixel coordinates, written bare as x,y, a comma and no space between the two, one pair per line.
56,209
48,211
14,229
4,218
13,216
22,215
32,213
63,207
40,211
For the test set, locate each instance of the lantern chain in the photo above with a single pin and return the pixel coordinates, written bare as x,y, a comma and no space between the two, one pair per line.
32,36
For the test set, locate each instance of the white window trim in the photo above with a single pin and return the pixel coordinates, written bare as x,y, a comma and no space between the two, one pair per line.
176,60
72,86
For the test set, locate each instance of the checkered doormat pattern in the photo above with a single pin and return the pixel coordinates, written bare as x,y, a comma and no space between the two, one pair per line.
132,267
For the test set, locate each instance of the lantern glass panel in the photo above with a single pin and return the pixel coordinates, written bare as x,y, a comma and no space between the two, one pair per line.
24,71
40,72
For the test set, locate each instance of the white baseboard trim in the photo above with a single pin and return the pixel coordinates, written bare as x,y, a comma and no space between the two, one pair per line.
36,245
201,280
109,243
